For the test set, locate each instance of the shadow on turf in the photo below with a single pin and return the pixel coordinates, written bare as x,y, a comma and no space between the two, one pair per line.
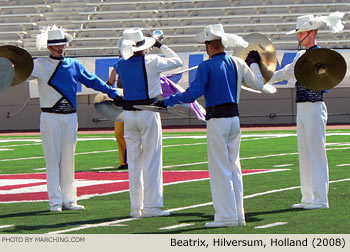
250,218
20,228
46,212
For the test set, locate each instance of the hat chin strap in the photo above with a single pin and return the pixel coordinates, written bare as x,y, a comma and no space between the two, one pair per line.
299,46
53,49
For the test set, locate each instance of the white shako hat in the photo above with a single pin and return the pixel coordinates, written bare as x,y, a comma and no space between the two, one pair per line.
216,32
311,22
51,36
134,41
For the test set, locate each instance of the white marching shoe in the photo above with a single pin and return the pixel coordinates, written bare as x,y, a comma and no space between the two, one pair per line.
300,205
136,213
315,206
56,208
72,206
154,212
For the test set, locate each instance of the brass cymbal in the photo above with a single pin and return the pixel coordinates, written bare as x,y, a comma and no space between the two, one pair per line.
21,60
160,109
7,74
320,69
265,48
105,106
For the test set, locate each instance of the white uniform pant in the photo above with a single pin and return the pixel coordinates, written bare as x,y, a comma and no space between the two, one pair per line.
143,136
313,163
223,136
59,137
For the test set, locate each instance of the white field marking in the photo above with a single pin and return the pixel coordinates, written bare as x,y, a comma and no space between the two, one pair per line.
337,144
97,152
272,155
35,140
166,146
6,226
179,209
102,168
268,171
244,135
203,179
272,225
185,137
18,159
268,135
190,207
40,169
177,226
178,145
6,149
341,165
20,145
181,165
283,165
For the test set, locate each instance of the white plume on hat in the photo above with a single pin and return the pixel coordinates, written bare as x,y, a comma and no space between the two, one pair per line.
52,35
134,41
216,32
310,22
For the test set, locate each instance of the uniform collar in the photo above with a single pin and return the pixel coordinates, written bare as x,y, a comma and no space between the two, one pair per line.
56,58
313,47
218,54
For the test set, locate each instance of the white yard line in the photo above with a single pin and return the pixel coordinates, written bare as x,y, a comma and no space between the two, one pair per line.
182,165
272,225
179,145
40,169
20,145
102,168
179,209
6,149
283,165
177,226
166,146
6,226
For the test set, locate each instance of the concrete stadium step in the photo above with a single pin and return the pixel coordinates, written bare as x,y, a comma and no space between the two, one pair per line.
69,15
63,7
67,24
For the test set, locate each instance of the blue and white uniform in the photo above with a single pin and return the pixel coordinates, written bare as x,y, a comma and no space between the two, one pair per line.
219,80
57,82
311,128
140,76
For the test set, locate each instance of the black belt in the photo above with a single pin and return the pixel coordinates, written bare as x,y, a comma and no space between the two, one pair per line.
56,111
128,104
222,110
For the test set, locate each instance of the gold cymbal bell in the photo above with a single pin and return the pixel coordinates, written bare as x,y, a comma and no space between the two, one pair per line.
105,106
267,51
21,60
320,69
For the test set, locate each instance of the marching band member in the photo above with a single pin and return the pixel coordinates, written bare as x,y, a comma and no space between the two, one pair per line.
119,128
311,116
219,79
58,78
140,76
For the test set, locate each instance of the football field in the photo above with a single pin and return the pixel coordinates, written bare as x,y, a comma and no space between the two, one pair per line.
269,162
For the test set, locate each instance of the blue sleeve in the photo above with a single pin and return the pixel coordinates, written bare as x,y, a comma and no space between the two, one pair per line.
196,89
93,81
